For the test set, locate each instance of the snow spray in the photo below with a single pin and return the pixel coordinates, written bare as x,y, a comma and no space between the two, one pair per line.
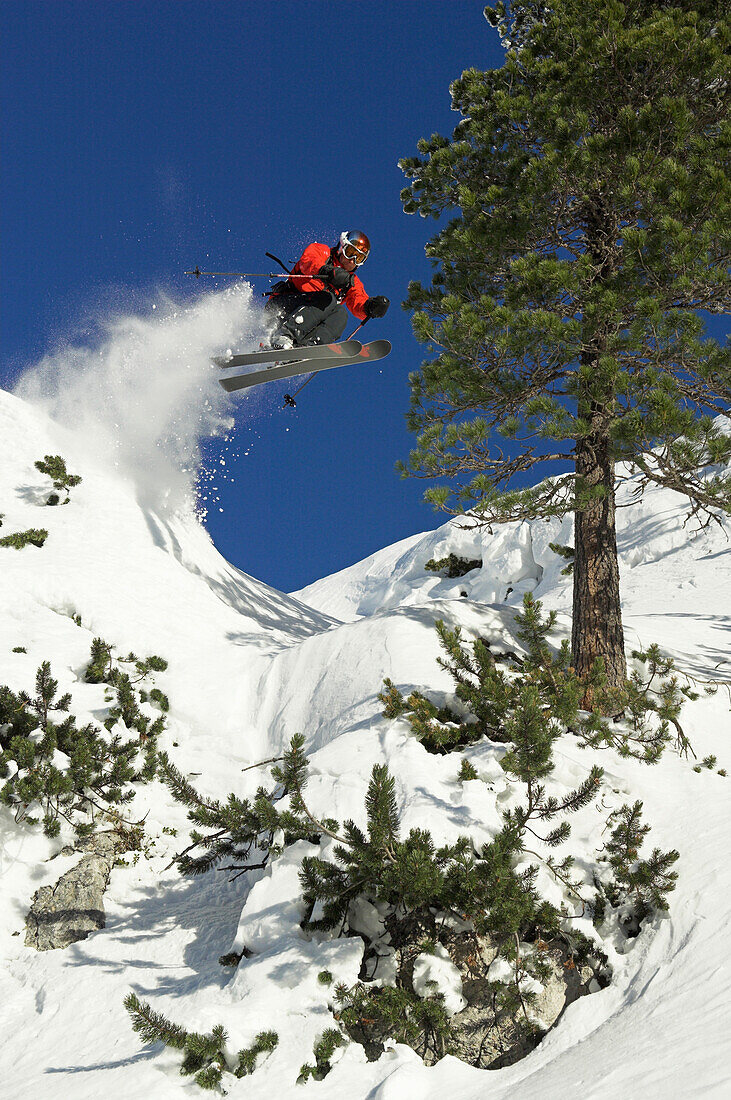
145,393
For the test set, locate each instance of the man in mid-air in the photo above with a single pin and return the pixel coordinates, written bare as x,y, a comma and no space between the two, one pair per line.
310,306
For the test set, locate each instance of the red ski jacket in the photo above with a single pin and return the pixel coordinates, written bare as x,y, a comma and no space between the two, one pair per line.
312,259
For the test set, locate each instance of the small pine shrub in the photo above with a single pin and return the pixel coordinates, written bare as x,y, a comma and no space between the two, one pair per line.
105,667
453,566
55,770
371,1015
20,539
264,1043
55,467
95,775
491,689
323,1050
204,1056
410,881
653,700
638,887
243,831
467,771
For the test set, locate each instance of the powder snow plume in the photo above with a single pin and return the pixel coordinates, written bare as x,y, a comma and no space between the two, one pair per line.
142,396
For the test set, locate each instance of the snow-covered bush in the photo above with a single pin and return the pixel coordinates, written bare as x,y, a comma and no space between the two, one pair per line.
494,690
63,481
66,772
34,536
247,832
204,1056
475,909
453,565
637,887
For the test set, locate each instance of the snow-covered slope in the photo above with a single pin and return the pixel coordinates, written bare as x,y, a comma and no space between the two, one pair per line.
516,557
248,667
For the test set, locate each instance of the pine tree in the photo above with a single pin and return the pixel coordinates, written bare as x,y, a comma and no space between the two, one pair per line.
531,700
640,885
55,467
204,1056
68,772
589,223
35,536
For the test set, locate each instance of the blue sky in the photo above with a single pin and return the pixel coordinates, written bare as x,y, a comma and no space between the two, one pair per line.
142,138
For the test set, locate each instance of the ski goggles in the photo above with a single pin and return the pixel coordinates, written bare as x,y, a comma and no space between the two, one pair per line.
350,252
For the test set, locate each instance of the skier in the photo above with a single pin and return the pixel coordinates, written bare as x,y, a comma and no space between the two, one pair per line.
312,309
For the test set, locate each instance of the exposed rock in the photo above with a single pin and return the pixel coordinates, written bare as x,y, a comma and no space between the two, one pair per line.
489,1038
74,907
494,1029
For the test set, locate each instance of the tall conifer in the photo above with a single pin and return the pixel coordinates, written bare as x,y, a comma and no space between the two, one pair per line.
590,219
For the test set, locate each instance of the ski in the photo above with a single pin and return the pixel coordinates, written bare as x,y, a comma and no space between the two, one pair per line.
343,349
368,353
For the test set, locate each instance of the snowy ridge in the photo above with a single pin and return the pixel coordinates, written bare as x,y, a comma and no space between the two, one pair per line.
516,557
248,667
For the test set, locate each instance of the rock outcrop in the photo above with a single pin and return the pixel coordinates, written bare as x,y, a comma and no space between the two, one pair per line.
74,906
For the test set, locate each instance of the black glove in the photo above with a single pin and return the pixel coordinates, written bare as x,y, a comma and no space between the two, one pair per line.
376,307
337,277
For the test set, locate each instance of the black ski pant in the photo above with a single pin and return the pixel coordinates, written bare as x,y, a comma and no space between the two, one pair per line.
308,318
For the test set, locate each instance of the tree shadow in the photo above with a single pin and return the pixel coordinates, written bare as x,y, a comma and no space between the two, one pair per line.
34,494
700,658
143,1056
209,906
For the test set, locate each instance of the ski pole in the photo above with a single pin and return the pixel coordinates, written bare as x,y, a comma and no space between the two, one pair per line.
248,274
289,398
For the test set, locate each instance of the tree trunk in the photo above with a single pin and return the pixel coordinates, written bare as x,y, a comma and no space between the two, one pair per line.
597,614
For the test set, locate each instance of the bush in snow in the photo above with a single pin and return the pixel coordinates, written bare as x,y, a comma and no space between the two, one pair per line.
330,1040
70,772
63,481
204,1056
104,667
472,901
373,1014
56,767
492,690
639,887
453,565
653,700
245,832
476,901
477,905
248,1058
33,536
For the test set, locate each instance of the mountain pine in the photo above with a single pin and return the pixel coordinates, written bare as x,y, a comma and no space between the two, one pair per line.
55,467
589,217
639,887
